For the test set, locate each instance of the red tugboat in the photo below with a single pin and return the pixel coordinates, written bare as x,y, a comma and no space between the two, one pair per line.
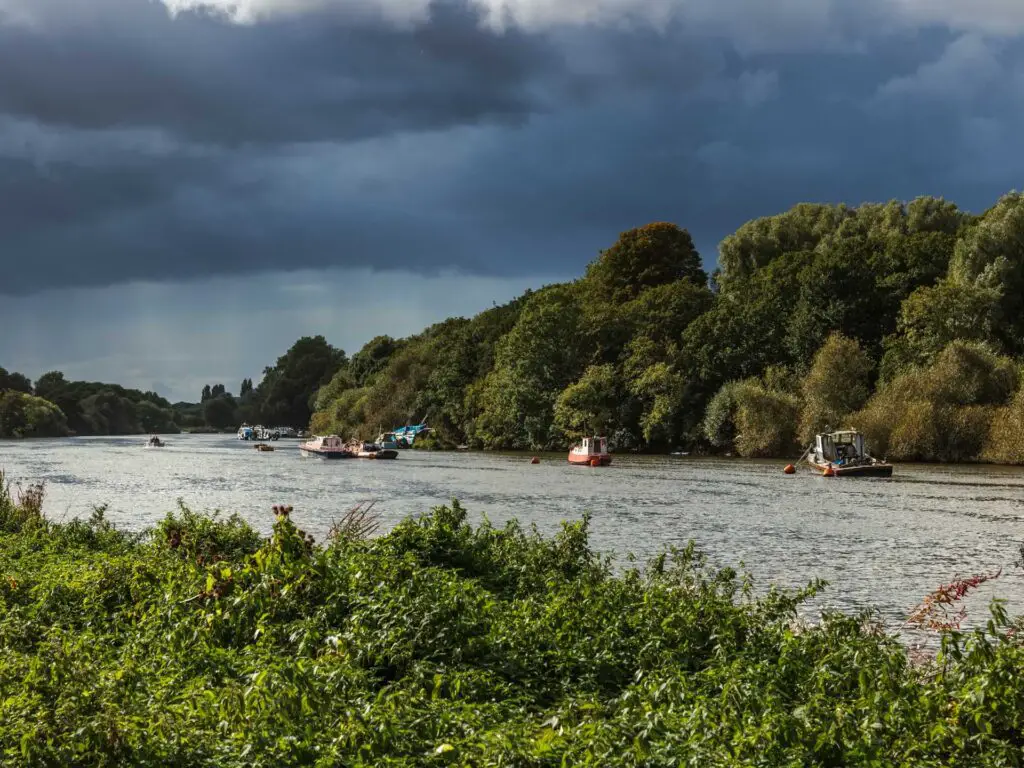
592,452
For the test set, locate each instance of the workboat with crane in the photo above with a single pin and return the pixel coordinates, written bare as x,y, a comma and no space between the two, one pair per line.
843,454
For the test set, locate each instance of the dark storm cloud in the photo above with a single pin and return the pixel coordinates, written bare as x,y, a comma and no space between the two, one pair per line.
314,78
136,145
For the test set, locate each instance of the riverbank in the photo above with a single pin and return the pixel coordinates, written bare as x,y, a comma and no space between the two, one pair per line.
439,643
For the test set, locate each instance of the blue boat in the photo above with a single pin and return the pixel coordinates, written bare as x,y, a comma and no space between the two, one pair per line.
406,436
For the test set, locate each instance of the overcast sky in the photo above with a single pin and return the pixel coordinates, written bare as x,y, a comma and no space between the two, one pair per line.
188,186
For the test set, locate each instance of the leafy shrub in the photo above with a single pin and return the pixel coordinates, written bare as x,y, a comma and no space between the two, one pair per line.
205,537
756,420
1005,444
442,643
836,386
943,412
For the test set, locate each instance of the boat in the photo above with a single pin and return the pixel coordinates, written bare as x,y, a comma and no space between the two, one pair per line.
155,442
367,450
844,454
263,447
406,436
326,447
259,432
591,452
388,440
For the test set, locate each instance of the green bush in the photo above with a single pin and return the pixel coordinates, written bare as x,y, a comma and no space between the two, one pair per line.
1005,444
836,386
23,415
753,420
943,412
445,644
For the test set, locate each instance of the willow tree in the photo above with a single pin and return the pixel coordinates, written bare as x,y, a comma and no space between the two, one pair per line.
837,385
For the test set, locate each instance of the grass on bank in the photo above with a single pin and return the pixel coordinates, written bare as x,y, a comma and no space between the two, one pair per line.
443,644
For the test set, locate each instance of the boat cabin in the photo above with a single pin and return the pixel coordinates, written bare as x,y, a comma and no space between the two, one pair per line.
840,447
593,446
326,443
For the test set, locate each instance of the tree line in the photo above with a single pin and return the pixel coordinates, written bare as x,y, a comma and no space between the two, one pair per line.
54,406
903,320
284,396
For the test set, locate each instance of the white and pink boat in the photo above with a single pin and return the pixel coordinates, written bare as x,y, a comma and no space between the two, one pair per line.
329,447
591,452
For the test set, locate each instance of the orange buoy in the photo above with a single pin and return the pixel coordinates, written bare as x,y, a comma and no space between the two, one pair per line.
829,472
595,462
790,469
535,460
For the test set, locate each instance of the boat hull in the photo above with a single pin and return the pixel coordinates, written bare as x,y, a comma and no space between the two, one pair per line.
315,454
880,469
387,453
594,460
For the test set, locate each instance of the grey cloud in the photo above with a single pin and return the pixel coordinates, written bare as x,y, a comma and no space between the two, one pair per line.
137,146
306,79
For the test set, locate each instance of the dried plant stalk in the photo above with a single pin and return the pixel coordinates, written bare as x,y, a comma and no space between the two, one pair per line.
358,523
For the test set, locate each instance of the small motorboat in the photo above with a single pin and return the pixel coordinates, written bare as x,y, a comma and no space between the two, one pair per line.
325,447
591,452
155,442
842,454
388,441
368,450
263,447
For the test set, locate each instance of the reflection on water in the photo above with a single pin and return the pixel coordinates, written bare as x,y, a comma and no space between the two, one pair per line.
880,543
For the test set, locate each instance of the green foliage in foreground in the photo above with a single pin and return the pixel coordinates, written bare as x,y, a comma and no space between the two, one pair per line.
441,644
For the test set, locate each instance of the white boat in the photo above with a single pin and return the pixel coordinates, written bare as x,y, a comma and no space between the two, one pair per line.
325,447
844,455
245,432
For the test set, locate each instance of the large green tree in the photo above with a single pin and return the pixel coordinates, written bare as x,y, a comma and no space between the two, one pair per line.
535,361
15,382
286,395
645,257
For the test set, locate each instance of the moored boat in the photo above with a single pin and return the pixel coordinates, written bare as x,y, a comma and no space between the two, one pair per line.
325,447
388,440
367,450
155,442
591,452
845,455
406,436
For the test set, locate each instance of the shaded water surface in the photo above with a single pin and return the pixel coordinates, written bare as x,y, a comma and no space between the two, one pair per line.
880,543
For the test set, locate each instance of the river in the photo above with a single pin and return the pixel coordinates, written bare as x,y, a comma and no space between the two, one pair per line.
880,543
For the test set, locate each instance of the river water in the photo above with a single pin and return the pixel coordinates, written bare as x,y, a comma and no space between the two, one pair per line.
880,543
